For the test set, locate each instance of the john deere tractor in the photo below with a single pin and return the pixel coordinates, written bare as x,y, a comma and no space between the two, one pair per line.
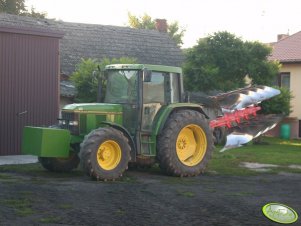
143,118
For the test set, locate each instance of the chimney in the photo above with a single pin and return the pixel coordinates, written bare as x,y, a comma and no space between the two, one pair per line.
282,36
161,25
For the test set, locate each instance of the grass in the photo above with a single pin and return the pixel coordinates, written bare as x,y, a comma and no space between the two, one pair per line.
22,206
120,212
36,170
50,220
6,177
180,180
186,194
277,151
65,206
274,151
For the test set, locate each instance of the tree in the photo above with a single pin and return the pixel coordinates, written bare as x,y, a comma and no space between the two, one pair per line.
222,61
17,7
146,22
86,82
261,70
12,6
34,13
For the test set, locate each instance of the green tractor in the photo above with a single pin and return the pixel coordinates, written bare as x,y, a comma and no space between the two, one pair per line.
142,119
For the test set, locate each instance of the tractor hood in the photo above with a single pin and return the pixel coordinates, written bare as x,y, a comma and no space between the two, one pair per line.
94,107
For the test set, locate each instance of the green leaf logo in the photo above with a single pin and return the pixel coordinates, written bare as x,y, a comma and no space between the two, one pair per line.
280,213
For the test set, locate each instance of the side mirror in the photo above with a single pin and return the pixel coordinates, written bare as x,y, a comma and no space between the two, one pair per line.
186,97
147,76
95,74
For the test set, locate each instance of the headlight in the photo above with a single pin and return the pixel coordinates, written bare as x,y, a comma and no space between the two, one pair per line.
62,122
73,123
68,123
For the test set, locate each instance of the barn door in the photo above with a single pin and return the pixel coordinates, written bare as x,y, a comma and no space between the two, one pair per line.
29,67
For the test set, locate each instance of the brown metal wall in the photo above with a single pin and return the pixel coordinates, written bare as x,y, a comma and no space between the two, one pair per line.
29,95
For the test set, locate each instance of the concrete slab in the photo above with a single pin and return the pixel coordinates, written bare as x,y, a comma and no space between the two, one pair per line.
17,159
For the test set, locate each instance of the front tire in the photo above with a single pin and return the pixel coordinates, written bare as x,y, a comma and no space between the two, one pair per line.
105,154
54,164
185,144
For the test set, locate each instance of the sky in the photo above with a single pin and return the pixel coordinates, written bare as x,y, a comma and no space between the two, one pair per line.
250,20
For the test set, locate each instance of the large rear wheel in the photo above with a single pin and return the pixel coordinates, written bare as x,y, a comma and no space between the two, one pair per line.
185,144
105,154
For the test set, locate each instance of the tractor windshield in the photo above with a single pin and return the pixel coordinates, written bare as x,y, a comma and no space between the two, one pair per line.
121,87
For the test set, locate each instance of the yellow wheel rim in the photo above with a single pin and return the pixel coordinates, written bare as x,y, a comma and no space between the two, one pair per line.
191,145
109,155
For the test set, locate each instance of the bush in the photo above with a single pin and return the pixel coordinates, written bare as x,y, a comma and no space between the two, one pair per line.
86,83
279,104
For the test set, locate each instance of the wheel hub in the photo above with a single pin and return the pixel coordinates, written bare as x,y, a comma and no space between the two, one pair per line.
104,154
191,145
108,155
182,143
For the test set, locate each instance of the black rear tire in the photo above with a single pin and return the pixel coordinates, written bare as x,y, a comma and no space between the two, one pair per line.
185,144
219,134
105,154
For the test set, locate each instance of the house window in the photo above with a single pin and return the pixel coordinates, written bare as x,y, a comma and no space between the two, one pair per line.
285,79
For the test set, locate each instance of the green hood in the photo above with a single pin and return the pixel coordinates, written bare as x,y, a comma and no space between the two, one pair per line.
94,107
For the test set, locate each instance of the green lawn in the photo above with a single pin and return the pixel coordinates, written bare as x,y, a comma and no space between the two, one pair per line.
276,151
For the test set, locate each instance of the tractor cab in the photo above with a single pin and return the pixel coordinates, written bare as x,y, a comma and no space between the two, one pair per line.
142,90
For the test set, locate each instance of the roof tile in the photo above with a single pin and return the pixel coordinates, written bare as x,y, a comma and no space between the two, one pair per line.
287,49
99,41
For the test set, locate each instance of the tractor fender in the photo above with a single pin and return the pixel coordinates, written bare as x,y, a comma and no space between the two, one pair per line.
128,136
166,111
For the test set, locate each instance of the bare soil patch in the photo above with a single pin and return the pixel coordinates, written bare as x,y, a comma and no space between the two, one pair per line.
143,198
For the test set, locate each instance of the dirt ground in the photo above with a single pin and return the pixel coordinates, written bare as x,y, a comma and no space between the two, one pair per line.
143,198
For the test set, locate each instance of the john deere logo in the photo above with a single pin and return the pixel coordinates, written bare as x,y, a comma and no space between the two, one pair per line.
280,213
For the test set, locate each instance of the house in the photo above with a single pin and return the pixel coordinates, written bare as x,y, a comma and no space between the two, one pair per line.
31,81
100,41
287,50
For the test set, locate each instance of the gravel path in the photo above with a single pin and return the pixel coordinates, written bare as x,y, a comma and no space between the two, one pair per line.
144,198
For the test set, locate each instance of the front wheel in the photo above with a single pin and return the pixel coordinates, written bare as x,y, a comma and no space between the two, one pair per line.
185,144
54,164
105,154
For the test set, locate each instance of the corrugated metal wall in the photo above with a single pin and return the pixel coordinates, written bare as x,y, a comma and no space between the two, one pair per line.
29,93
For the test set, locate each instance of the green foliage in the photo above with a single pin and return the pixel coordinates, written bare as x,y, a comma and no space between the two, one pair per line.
176,33
146,22
12,6
142,22
85,80
17,7
222,61
261,70
279,104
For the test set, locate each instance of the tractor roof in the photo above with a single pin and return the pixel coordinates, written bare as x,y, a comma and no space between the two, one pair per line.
160,68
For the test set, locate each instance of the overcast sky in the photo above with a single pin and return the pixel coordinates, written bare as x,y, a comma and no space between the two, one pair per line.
250,20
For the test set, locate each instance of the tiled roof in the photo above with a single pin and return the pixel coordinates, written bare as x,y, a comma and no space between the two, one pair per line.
99,41
67,89
287,50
